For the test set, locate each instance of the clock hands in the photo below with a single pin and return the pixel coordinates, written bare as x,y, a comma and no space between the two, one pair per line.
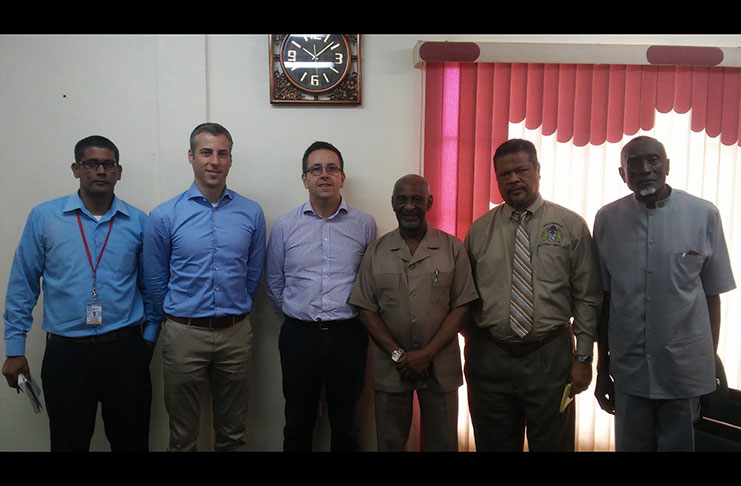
320,52
309,53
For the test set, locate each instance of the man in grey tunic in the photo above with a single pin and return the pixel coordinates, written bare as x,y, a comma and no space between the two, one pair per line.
664,262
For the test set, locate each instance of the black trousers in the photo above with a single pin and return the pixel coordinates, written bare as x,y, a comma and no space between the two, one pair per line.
332,354
77,375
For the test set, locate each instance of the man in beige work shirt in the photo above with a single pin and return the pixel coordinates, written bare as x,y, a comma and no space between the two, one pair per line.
520,353
413,289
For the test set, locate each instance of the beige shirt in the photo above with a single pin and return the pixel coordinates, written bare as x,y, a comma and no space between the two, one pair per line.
566,280
413,294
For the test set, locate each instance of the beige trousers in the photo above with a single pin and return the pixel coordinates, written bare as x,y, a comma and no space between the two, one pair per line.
215,362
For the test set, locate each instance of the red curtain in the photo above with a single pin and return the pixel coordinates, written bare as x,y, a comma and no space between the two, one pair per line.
469,106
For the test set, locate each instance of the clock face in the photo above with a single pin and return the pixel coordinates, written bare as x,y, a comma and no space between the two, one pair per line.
315,62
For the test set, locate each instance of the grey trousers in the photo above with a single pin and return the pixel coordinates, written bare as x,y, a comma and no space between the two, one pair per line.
643,424
439,420
217,361
510,394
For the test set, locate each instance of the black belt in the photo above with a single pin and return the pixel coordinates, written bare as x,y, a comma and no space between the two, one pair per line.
521,349
219,322
114,335
324,325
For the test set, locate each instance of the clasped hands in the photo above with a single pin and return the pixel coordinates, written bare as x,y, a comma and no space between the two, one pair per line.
414,365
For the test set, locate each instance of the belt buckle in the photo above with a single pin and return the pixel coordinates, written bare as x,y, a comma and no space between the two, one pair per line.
323,326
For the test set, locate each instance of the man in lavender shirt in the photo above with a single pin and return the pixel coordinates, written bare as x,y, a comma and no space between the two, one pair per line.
313,256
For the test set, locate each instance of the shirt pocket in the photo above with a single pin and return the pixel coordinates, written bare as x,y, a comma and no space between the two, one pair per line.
388,289
686,270
441,283
552,264
129,262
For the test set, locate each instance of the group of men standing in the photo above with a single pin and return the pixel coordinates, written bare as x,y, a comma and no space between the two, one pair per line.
530,289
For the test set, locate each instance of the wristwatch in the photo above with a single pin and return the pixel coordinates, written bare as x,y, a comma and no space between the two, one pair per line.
397,354
583,358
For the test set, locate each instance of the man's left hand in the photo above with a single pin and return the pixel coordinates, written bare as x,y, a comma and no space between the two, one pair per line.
581,377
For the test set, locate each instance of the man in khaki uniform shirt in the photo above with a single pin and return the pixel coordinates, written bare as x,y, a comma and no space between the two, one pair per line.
413,289
517,382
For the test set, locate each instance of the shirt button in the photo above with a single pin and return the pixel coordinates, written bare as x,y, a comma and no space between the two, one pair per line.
412,265
414,320
648,299
412,294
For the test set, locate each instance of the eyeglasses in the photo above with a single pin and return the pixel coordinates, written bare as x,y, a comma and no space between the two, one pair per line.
93,164
316,170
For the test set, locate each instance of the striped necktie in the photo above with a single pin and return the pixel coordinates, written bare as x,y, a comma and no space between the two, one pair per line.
521,303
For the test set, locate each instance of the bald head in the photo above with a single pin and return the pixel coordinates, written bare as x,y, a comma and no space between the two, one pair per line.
410,201
413,179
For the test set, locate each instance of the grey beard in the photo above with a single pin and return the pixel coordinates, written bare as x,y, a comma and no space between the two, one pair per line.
647,191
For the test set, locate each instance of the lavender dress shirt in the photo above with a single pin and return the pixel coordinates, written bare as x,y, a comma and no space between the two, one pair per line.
312,262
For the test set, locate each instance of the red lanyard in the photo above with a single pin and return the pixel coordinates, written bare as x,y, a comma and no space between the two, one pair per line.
87,250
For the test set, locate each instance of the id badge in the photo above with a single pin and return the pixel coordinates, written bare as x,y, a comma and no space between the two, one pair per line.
94,313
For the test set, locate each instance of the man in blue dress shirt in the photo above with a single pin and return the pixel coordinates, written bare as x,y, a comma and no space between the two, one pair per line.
313,256
204,252
86,250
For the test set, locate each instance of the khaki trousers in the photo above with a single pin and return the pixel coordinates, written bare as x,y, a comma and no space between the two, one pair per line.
438,414
198,360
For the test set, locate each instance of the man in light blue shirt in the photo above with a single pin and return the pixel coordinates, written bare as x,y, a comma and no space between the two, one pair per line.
204,251
313,257
664,263
86,248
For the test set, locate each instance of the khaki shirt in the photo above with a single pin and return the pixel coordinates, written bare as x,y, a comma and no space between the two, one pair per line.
413,294
566,279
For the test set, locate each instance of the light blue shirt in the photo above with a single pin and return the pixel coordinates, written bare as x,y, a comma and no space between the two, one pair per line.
51,250
312,262
204,260
659,264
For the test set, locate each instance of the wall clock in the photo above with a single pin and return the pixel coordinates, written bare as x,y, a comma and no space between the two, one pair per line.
315,68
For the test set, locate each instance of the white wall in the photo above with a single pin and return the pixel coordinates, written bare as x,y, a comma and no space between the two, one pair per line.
146,93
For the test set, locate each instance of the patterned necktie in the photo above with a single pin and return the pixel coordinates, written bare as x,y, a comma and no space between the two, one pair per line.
521,303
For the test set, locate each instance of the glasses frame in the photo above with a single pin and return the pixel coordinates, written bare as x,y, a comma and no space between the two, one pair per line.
316,170
107,164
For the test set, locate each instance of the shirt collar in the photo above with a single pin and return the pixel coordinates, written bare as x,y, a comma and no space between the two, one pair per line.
508,210
74,203
193,192
430,241
307,208
658,204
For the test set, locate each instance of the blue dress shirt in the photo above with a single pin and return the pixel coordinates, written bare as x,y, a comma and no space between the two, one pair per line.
51,247
204,260
312,262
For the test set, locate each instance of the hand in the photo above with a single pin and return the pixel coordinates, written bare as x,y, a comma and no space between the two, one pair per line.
13,366
413,364
581,377
604,392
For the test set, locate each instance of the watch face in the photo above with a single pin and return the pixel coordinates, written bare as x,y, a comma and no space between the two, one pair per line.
315,62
